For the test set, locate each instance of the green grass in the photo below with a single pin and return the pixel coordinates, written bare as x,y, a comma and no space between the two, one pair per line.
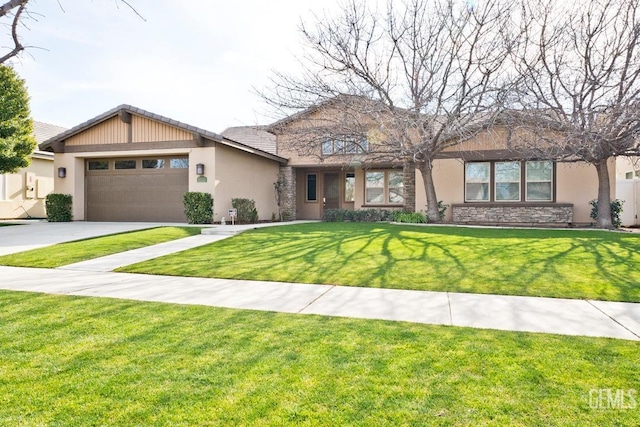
82,250
72,361
541,262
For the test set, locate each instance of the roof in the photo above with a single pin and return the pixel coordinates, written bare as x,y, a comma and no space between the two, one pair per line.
44,131
254,136
47,144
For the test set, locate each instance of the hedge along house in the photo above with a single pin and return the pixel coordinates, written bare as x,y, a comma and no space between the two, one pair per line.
484,180
128,164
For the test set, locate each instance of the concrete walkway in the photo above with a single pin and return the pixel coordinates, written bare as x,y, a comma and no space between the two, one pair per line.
515,313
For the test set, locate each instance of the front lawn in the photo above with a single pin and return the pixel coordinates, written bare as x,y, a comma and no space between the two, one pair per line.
73,361
82,250
541,262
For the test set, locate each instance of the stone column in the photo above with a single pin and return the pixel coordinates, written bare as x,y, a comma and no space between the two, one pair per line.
409,184
287,177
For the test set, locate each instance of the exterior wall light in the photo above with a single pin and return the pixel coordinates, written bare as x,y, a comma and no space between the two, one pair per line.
200,169
62,172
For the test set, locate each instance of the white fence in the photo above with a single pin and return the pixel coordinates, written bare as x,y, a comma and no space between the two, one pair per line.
629,191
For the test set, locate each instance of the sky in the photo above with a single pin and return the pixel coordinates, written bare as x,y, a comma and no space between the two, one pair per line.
196,61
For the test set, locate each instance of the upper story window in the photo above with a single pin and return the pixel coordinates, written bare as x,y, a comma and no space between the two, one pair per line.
344,145
512,181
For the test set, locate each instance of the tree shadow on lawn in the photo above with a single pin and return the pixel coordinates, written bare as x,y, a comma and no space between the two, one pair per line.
559,263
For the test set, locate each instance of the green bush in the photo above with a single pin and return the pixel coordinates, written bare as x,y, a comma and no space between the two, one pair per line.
616,210
246,209
198,207
59,207
362,215
410,217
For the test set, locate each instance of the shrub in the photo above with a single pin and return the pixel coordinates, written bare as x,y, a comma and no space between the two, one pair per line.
246,209
198,207
58,207
616,210
362,215
410,217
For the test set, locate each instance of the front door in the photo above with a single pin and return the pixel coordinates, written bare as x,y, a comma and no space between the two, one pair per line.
331,194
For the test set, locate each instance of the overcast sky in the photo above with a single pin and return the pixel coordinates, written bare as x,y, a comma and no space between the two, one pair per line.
196,61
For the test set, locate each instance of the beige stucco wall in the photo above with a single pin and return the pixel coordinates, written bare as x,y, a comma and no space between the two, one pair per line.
243,175
577,183
626,164
448,176
19,203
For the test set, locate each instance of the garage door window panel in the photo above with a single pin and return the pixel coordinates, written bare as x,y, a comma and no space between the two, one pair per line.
125,164
98,165
153,164
179,163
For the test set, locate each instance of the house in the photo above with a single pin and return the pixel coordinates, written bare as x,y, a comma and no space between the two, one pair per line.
482,180
22,194
129,164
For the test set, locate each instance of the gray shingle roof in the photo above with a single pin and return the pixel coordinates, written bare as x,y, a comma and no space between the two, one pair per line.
253,136
46,145
44,131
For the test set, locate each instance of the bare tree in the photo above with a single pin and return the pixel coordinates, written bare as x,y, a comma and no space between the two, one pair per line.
15,11
412,80
578,67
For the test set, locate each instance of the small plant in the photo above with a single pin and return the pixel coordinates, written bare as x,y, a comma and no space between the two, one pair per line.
361,215
198,207
59,207
246,210
442,209
410,217
616,210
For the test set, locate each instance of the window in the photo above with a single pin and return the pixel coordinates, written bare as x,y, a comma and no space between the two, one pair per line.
477,176
153,164
344,145
312,192
125,164
180,163
384,187
98,165
539,181
349,187
530,181
507,179
631,175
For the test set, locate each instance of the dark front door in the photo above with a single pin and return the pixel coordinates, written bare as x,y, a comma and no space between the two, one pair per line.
331,191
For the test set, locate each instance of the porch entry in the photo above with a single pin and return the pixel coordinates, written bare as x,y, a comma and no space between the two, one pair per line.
331,194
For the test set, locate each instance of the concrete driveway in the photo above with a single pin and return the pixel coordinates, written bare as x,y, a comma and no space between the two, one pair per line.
36,234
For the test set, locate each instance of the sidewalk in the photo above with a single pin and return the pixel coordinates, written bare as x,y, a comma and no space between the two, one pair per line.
515,313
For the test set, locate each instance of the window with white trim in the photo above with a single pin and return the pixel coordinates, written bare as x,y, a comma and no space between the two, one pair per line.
344,145
384,187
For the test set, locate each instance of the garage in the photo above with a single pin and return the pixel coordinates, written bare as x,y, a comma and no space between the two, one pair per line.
136,189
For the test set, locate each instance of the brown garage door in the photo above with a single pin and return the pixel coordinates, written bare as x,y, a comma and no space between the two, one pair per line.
136,189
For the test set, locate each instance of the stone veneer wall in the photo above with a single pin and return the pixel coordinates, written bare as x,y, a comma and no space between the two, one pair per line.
557,213
288,201
409,187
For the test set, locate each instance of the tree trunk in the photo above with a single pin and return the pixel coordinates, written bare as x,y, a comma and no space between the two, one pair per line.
604,195
426,169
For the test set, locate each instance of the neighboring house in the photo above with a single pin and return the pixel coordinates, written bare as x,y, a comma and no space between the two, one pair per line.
22,194
128,164
627,167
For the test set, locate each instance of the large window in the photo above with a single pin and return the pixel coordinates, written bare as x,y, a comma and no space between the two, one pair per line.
384,187
507,178
312,187
509,181
344,145
539,181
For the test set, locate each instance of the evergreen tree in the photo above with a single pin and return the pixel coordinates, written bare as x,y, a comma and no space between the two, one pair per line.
16,127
